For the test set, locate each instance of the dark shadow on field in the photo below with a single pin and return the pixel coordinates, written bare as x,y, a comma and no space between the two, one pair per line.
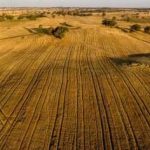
22,36
66,24
17,36
41,30
133,59
32,30
135,37
127,30
71,27
122,61
140,55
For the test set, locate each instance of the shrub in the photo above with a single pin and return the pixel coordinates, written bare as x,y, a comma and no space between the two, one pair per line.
103,14
40,26
123,16
114,18
137,19
59,31
21,17
50,30
135,27
31,17
9,17
6,17
40,29
40,15
128,19
109,22
147,29
2,18
53,16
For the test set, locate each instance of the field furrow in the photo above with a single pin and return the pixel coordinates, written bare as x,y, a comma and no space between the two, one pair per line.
89,90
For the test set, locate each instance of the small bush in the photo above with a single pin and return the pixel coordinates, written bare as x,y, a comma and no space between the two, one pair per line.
20,17
40,15
53,16
123,15
136,19
128,19
6,17
9,17
50,30
40,29
2,18
59,31
103,14
109,22
40,26
147,29
31,17
135,27
114,18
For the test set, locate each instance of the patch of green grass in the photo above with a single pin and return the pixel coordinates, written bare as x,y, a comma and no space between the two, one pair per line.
31,16
5,17
137,20
57,32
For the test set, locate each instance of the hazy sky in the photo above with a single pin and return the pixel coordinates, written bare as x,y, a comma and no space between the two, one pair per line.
75,3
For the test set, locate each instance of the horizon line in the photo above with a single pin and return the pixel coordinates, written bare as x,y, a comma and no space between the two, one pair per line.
75,7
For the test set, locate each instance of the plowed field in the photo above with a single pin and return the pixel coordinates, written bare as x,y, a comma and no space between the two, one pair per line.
89,90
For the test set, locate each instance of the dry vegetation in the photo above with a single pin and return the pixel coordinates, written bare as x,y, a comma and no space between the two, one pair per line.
88,90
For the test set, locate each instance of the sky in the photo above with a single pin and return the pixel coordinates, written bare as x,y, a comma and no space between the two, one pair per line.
75,3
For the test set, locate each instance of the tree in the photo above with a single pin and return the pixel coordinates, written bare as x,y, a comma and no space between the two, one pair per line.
114,18
103,14
135,27
9,17
147,29
109,22
59,31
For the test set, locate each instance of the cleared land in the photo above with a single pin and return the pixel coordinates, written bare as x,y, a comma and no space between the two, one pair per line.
89,90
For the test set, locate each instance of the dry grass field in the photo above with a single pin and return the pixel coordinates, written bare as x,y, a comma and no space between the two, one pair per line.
89,90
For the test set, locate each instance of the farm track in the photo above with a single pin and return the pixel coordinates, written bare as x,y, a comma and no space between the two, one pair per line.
70,94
